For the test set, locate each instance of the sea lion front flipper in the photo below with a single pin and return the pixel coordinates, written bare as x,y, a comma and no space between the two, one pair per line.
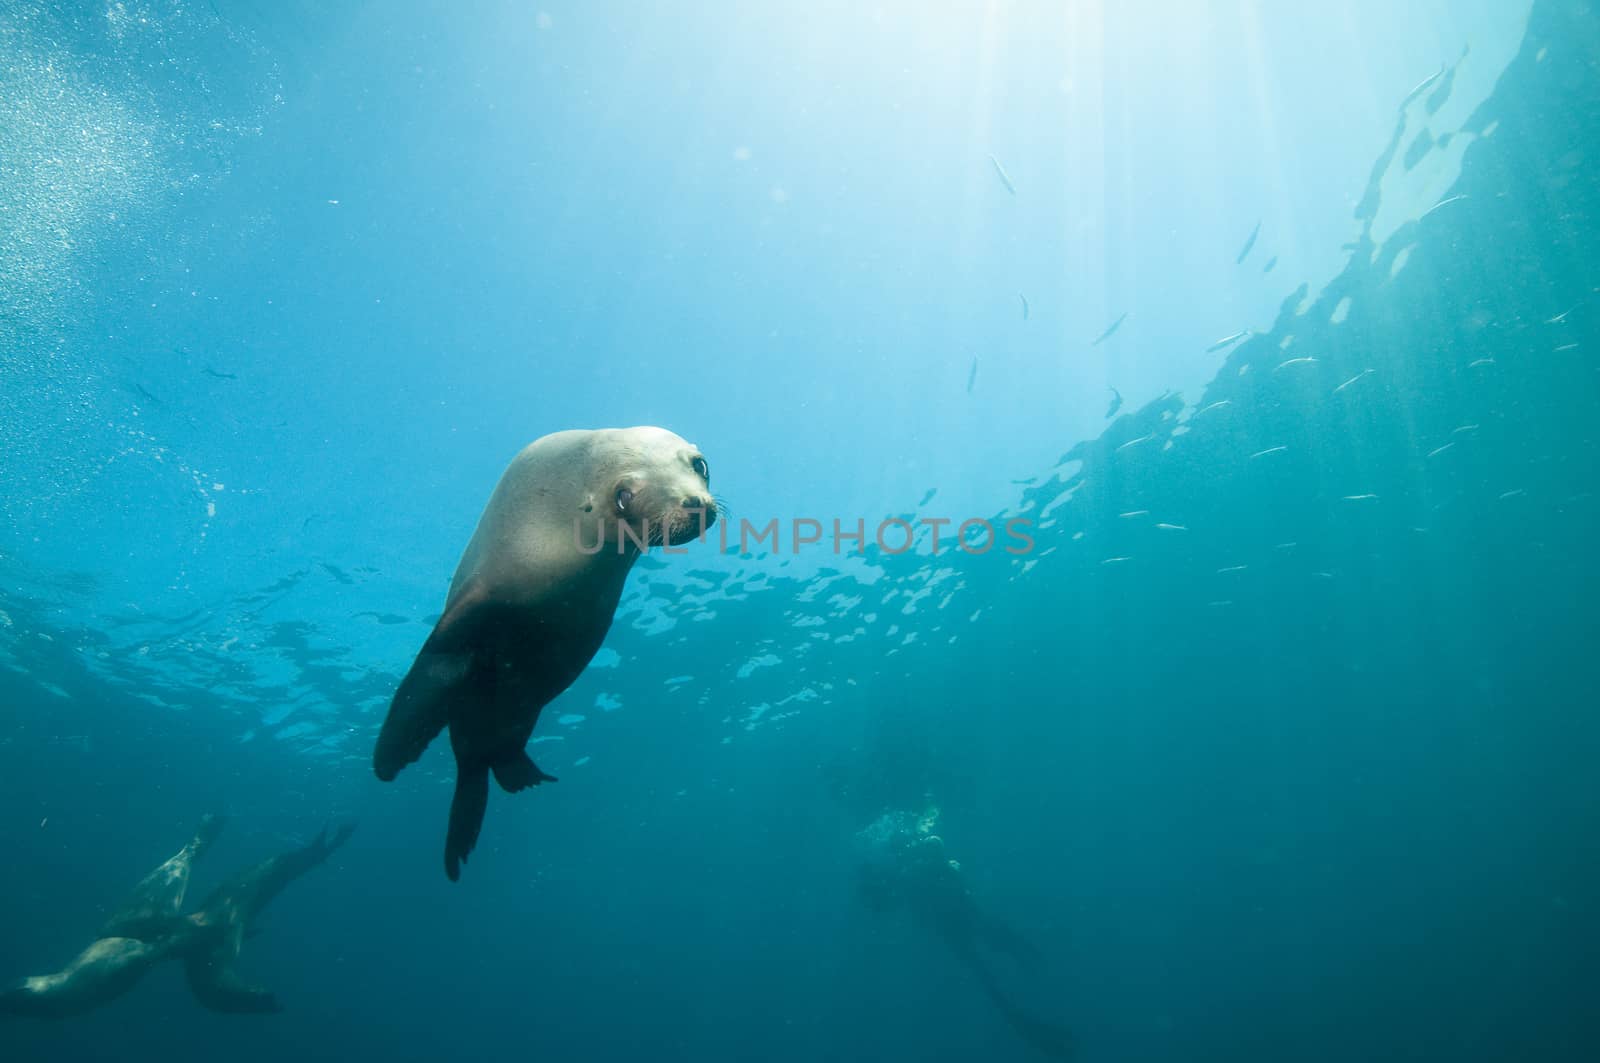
517,771
218,987
421,706
466,816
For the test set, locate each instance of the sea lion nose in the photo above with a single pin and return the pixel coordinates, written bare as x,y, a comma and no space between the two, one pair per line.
702,505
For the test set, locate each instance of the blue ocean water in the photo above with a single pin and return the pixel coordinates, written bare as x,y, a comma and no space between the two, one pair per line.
1277,742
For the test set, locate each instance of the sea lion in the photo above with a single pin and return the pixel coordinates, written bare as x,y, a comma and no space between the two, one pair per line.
532,600
904,865
143,931
226,918
208,941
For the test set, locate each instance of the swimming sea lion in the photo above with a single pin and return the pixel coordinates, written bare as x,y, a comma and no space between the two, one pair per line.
144,930
905,865
228,914
208,940
532,600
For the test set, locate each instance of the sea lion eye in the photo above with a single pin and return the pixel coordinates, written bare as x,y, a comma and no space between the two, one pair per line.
624,497
701,469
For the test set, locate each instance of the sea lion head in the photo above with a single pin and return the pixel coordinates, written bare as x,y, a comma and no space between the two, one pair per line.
648,486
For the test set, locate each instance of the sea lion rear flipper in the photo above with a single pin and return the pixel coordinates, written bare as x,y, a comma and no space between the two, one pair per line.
421,706
341,834
517,771
1048,1037
205,833
466,816
158,898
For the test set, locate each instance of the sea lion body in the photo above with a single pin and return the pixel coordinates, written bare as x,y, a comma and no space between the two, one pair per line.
98,975
532,600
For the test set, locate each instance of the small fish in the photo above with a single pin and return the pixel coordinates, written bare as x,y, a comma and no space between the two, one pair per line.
143,391
1361,498
1220,604
1436,451
1566,347
1302,360
1114,560
1228,341
1029,480
1106,335
1000,172
1352,380
1172,527
1249,242
220,376
1273,261
1134,513
1324,575
1232,568
1559,318
1442,203
1512,494
1286,546
1423,87
972,376
43,821
382,618
928,497
1024,299
1135,442
1264,453
1116,403
1215,406
1480,361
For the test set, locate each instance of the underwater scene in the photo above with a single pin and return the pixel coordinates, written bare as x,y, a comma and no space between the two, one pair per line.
1005,530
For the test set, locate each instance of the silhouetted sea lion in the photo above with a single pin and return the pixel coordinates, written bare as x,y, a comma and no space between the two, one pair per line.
227,915
532,600
148,930
905,865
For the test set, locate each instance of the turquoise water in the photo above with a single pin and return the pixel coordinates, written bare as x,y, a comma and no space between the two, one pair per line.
1277,742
